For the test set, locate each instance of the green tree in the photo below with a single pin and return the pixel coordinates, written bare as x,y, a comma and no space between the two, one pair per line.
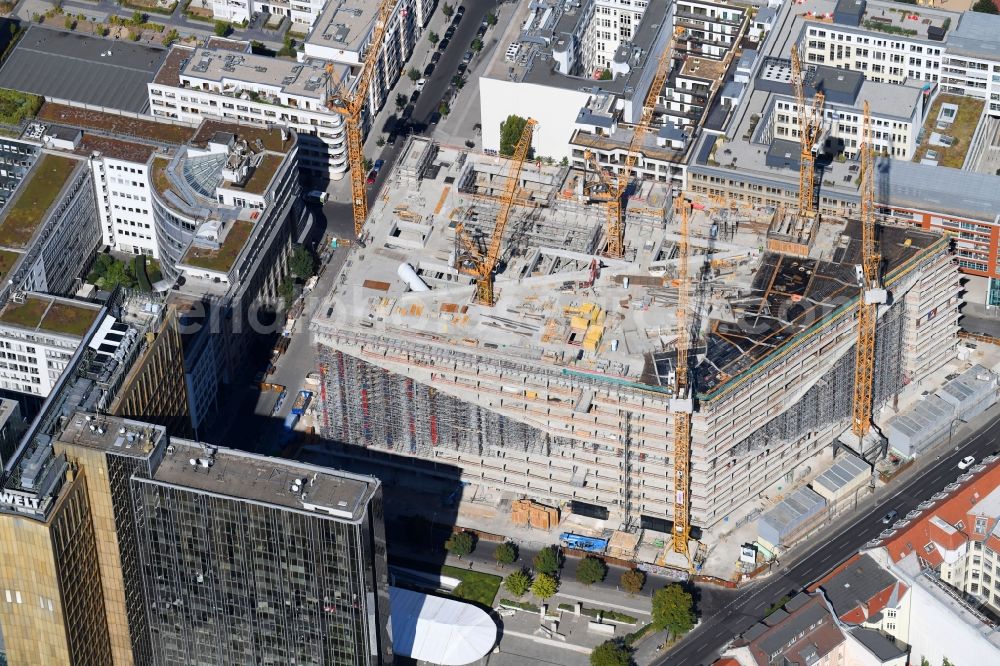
924,662
117,273
69,23
673,609
287,292
102,30
544,586
510,133
380,142
287,47
611,653
443,108
518,582
476,45
946,662
414,74
506,553
222,28
138,18
433,37
633,580
401,101
605,75
302,264
491,19
548,560
984,7
458,82
447,10
171,37
591,570
460,544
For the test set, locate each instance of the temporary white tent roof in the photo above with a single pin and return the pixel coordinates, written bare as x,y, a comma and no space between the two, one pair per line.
439,630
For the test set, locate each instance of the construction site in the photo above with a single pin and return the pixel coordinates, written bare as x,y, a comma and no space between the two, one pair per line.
545,370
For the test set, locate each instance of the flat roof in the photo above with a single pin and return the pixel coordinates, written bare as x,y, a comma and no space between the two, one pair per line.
976,36
82,68
129,151
235,71
272,139
112,434
8,258
34,197
942,189
113,123
844,471
242,476
40,312
222,259
344,24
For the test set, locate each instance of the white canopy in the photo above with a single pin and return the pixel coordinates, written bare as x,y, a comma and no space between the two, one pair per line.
439,630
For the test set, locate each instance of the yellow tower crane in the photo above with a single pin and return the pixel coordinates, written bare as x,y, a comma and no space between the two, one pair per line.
682,403
872,293
350,104
474,262
810,131
615,208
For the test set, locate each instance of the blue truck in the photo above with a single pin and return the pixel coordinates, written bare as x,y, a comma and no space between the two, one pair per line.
298,409
584,543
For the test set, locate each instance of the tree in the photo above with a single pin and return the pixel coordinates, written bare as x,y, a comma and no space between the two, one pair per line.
287,292
69,23
548,560
591,570
102,30
460,544
458,82
984,7
491,19
401,101
414,74
476,45
288,47
433,37
380,142
544,586
506,553
138,18
443,108
673,609
222,28
510,133
605,75
447,10
518,582
611,653
134,35
633,580
117,273
171,37
302,264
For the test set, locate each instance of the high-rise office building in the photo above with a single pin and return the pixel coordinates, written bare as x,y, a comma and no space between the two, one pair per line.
255,560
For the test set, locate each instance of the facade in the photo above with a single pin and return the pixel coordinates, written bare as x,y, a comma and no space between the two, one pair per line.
16,158
121,180
247,559
708,29
12,426
39,334
612,22
971,65
194,84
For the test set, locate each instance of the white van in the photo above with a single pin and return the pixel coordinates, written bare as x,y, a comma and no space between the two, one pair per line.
318,196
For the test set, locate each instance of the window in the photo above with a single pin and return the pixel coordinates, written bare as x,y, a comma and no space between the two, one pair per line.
980,525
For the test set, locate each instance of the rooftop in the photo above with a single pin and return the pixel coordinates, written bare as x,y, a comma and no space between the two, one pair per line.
129,151
273,139
975,36
856,583
114,124
112,434
344,25
958,132
919,22
34,197
805,635
7,260
51,314
220,260
82,68
244,73
276,482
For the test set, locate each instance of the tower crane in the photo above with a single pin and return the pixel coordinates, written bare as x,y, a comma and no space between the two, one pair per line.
350,105
482,266
682,403
615,209
810,130
872,293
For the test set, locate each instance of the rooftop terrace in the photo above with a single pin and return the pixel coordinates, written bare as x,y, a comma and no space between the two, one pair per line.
906,20
220,260
34,198
51,314
277,482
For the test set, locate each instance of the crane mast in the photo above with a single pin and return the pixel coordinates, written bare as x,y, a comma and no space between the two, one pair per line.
482,267
682,404
350,105
810,127
872,292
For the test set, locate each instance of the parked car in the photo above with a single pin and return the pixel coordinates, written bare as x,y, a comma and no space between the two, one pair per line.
435,57
435,117
421,83
414,95
460,11
481,31
456,19
443,44
450,32
467,57
966,462
429,69
378,165
372,175
890,518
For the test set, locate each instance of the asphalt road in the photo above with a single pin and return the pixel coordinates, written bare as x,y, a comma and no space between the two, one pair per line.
701,646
